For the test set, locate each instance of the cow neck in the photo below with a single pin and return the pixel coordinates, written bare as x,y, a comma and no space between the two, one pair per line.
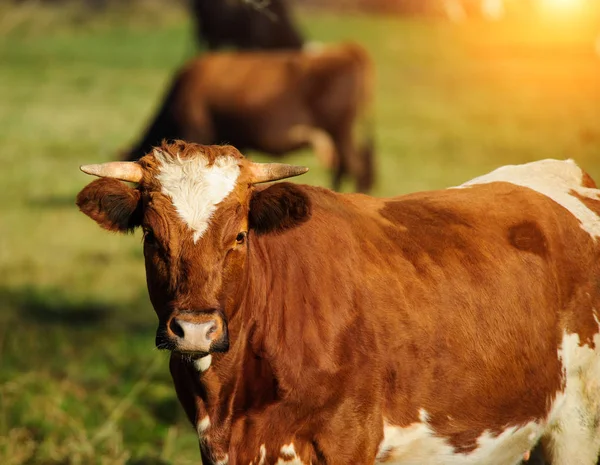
286,311
290,353
261,368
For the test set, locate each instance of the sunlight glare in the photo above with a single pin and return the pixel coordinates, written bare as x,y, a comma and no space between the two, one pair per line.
562,6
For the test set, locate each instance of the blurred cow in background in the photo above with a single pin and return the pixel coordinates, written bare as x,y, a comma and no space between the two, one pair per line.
244,24
274,102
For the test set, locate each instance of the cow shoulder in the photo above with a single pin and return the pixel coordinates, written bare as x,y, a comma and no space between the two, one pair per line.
112,204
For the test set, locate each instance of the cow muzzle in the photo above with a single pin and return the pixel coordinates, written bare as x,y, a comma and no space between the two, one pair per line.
197,333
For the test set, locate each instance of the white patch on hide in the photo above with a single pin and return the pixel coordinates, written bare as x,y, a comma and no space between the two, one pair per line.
203,363
290,456
196,188
223,461
203,425
417,444
554,179
574,427
263,455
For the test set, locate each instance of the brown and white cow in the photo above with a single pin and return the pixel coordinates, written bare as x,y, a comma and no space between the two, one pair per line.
275,102
451,327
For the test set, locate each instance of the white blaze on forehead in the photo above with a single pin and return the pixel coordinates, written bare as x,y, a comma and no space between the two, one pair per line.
555,179
196,188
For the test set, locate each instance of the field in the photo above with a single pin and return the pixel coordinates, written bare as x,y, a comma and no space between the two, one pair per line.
80,380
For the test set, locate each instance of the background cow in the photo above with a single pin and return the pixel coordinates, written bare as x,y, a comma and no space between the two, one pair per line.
246,25
275,102
457,326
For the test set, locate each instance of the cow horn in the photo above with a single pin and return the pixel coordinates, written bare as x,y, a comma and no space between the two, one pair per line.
123,170
265,172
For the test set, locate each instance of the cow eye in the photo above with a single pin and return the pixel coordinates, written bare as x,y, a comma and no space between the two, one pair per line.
241,237
148,235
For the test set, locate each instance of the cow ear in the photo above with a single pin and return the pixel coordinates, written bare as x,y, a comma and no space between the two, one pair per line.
279,207
112,204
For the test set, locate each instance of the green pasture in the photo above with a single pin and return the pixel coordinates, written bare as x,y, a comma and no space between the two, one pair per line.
80,380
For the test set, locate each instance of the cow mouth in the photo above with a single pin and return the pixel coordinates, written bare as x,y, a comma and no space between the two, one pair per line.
164,342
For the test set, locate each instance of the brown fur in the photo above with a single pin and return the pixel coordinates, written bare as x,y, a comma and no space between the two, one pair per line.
257,100
361,309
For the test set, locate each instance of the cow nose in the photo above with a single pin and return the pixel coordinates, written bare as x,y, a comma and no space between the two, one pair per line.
192,336
176,328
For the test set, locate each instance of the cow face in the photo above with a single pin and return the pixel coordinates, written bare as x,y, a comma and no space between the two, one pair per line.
193,204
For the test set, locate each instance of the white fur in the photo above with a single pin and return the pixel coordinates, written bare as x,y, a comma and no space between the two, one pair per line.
574,429
263,455
223,461
203,363
555,179
203,425
289,451
417,444
196,188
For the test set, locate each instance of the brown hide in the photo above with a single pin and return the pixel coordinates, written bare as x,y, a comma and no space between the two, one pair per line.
270,102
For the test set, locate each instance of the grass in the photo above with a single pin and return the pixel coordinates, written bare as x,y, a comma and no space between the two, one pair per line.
80,381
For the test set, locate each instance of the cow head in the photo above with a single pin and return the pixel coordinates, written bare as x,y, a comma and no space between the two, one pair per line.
196,205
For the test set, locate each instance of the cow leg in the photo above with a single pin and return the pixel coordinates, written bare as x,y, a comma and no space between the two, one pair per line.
566,446
319,140
349,162
165,125
573,435
355,161
535,457
197,126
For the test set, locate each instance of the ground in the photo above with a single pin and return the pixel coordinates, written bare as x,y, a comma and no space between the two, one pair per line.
81,382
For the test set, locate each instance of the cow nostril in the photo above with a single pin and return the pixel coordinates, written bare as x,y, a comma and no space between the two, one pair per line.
176,328
211,329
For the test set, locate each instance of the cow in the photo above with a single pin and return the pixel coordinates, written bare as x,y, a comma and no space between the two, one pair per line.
264,25
275,102
306,326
